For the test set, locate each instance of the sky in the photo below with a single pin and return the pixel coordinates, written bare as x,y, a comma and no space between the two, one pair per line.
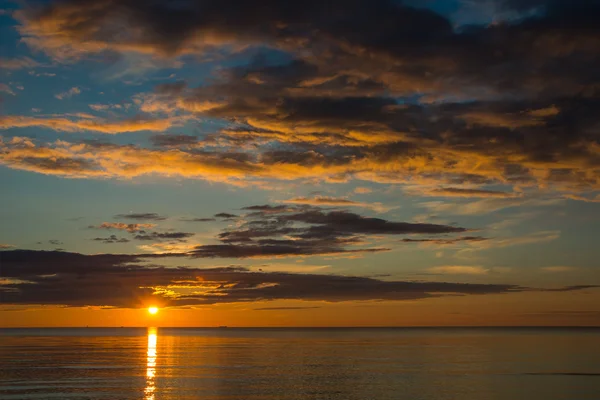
307,163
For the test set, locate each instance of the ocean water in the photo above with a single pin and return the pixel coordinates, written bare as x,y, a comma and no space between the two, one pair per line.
286,364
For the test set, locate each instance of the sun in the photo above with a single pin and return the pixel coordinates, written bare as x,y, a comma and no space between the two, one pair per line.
152,310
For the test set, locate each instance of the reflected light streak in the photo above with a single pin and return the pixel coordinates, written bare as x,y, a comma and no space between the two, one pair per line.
151,364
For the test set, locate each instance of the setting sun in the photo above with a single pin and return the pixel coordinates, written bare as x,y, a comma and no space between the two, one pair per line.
153,310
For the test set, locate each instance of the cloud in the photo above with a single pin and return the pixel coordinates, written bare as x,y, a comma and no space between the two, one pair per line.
488,205
38,74
101,160
164,140
447,242
107,107
511,121
537,237
506,103
274,248
462,192
335,201
268,231
87,122
502,242
198,219
4,88
117,280
111,239
76,280
226,216
459,270
68,94
17,63
295,231
340,33
142,216
181,236
558,269
123,226
6,246
265,209
575,197
571,288
292,268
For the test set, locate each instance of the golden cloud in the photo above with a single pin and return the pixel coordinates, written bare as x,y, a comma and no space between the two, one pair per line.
86,122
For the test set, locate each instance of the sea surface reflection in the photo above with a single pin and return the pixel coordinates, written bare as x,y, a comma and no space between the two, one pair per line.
151,364
300,364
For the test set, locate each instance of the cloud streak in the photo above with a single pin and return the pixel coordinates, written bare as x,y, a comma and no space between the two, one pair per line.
336,202
87,123
142,216
123,226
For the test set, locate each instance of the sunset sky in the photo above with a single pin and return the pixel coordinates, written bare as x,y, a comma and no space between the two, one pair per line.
299,163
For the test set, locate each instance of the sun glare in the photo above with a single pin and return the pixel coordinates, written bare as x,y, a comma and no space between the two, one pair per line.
153,310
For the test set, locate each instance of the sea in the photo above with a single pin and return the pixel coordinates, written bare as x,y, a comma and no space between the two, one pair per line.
295,364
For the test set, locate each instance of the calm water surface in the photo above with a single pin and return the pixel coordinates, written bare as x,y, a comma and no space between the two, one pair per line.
286,364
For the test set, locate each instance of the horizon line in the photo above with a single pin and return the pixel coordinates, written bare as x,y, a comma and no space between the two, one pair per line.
317,327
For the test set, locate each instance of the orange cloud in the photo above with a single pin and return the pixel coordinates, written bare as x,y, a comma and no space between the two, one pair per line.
334,201
459,192
86,122
511,120
124,227
223,165
18,63
459,270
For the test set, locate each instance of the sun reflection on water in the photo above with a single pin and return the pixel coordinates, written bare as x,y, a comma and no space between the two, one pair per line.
151,364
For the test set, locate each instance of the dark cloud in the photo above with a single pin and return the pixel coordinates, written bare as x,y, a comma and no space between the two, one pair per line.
72,279
273,248
111,239
288,231
226,215
266,209
198,219
572,288
268,231
158,236
124,226
552,7
142,216
352,223
173,140
374,44
53,242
